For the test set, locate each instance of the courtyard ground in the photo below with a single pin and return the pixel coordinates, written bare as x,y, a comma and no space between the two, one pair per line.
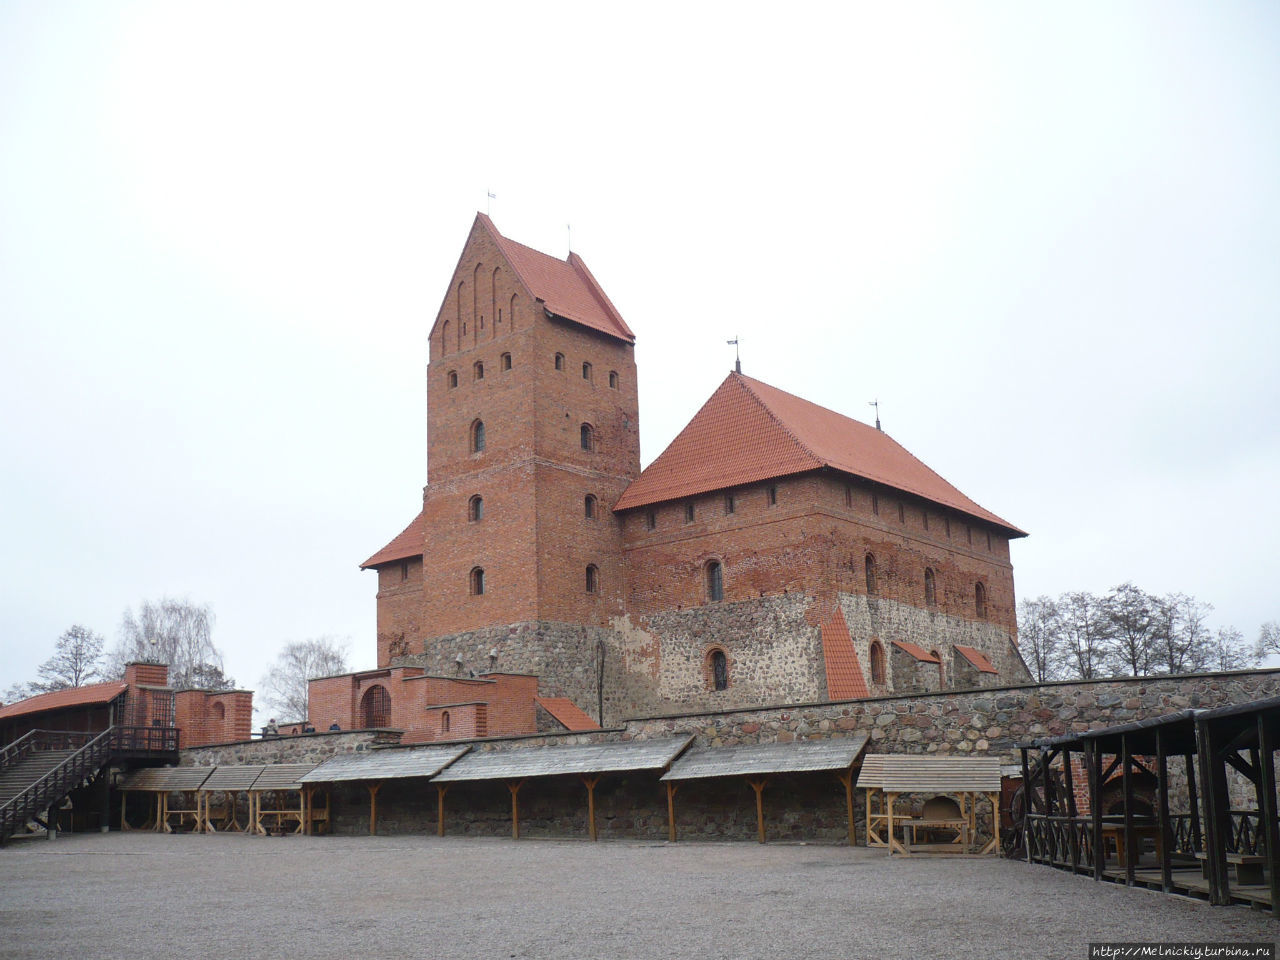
143,896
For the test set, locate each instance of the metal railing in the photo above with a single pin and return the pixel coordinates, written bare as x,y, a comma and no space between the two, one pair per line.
92,752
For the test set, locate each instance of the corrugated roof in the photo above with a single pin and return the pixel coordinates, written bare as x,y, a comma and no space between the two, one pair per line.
900,773
233,778
845,680
749,431
566,713
87,696
977,658
384,764
409,542
282,776
577,758
920,653
566,287
164,779
758,759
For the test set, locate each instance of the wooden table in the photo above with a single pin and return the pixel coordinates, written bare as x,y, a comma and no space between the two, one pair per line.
1115,831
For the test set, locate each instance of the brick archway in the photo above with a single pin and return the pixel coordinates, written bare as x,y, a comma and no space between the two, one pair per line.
375,707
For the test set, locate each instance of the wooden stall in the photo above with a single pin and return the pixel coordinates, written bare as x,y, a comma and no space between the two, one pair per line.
943,817
221,812
278,801
162,783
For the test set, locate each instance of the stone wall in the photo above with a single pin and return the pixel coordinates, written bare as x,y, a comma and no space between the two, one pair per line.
307,748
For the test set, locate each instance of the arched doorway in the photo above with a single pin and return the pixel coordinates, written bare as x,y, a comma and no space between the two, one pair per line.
375,707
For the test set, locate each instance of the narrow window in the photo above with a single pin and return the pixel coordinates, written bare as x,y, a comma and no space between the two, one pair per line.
651,519
593,579
729,504
870,562
968,533
404,570
848,495
475,508
947,523
988,539
902,513
513,311
719,670
930,588
506,362
980,600
924,516
586,371
586,437
477,437
477,581
773,496
444,722
479,368
453,379
688,512
877,662
875,504
589,507
715,581
559,361
613,379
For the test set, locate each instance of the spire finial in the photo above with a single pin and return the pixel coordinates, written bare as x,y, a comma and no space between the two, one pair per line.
876,404
489,195
737,360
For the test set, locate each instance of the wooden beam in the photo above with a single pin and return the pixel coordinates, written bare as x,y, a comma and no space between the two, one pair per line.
758,786
1267,806
590,784
1070,786
1130,848
1093,762
373,788
514,786
1164,849
1217,813
1027,791
1193,801
846,777
671,810
441,790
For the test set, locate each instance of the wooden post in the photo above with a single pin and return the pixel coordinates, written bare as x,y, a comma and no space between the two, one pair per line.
373,806
1267,789
1164,848
995,821
671,810
514,787
590,784
124,823
1069,785
441,790
846,777
1193,801
1093,757
758,786
307,791
889,800
1027,792
1126,780
1217,813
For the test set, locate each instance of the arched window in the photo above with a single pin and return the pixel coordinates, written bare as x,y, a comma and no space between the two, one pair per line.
715,581
877,662
589,506
586,437
613,379
479,370
444,721
477,437
477,581
375,707
506,362
718,665
586,371
870,562
475,508
930,587
559,361
219,711
453,379
980,599
513,311
593,579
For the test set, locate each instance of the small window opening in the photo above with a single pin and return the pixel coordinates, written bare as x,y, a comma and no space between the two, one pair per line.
586,371
688,512
651,519
453,379
980,600
729,504
477,437
475,508
589,507
930,587
870,562
444,722
479,368
559,361
968,533
773,496
404,569
877,662
719,670
902,513
988,539
506,362
875,504
924,516
715,581
593,579
848,495
613,379
586,437
477,581
947,524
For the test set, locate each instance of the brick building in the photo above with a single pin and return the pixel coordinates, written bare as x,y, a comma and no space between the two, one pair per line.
775,552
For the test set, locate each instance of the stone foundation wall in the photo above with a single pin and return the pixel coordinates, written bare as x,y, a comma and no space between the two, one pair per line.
307,748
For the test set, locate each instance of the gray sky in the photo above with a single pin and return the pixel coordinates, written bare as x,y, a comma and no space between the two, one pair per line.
1044,237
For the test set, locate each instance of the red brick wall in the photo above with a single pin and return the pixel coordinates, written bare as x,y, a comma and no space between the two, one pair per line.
208,716
399,609
146,674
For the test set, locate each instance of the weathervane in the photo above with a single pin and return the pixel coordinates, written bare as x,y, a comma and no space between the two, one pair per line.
737,361
876,404
490,195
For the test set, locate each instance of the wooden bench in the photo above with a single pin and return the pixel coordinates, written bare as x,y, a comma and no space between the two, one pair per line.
1248,866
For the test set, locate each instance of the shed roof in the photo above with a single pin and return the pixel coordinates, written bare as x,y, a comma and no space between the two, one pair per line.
845,680
632,755
165,779
90,695
977,658
567,713
385,764
919,652
409,542
282,776
900,773
233,778
766,758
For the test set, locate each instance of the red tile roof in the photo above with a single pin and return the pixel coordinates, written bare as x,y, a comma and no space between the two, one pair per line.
566,287
408,543
86,696
977,658
566,713
920,653
749,431
845,680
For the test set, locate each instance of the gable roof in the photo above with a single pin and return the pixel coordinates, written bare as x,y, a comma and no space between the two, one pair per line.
567,713
920,653
749,431
977,658
566,287
408,543
845,680
87,696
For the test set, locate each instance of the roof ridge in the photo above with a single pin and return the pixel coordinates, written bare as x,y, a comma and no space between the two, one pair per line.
746,382
503,244
597,291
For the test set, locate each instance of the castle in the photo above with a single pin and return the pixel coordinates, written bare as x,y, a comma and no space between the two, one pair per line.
775,552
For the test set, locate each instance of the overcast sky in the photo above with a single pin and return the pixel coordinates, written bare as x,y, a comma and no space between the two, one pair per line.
1046,238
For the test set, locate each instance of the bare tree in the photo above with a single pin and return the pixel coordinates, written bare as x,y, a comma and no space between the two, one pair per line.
1229,651
18,691
1040,637
76,660
178,633
1133,620
1185,642
1269,638
285,686
1084,632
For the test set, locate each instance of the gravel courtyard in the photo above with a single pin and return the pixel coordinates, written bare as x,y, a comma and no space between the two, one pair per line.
145,896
